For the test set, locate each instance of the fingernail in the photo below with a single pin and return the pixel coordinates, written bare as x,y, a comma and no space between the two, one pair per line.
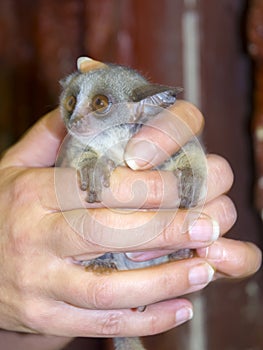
86,64
201,274
81,60
213,252
140,154
204,230
182,315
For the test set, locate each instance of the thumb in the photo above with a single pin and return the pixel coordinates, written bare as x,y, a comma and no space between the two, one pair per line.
39,146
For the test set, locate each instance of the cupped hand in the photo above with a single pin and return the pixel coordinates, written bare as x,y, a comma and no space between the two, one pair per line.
229,258
45,290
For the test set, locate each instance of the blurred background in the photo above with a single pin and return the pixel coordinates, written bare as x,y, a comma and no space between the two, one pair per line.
214,50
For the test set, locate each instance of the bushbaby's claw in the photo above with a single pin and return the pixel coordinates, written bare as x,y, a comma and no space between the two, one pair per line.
83,175
94,175
106,175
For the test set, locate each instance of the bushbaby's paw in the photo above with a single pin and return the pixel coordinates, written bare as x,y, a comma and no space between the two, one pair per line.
94,175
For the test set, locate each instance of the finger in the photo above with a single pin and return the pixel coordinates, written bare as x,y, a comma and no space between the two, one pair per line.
69,321
75,286
86,64
157,189
233,258
130,189
39,146
81,232
57,189
163,135
217,218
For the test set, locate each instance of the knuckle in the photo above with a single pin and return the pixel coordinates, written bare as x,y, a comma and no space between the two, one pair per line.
169,233
26,279
20,193
32,315
166,236
23,190
154,324
103,294
111,324
20,242
155,189
22,281
168,285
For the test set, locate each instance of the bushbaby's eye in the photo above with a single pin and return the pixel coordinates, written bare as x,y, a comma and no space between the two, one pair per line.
100,104
70,103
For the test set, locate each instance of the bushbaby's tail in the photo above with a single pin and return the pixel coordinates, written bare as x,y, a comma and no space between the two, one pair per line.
128,344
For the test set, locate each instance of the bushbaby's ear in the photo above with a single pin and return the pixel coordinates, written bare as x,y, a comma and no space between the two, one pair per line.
150,99
158,95
68,79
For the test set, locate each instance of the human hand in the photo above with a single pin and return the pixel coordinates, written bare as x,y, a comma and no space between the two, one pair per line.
230,258
45,291
42,288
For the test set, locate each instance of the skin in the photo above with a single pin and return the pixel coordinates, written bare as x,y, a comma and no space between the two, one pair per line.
44,291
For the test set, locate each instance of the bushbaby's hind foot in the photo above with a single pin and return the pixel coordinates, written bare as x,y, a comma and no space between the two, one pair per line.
100,265
181,254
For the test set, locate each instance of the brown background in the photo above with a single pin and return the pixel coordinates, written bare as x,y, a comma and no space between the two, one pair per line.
39,43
